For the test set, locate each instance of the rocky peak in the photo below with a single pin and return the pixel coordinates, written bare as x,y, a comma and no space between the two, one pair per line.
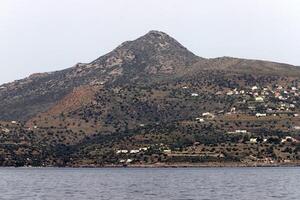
155,52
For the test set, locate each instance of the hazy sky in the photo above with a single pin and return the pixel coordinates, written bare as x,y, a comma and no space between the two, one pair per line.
47,35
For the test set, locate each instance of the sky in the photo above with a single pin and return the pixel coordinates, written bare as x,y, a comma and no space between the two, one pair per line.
48,35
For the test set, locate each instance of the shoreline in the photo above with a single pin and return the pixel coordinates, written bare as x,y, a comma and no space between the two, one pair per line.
190,165
173,165
205,165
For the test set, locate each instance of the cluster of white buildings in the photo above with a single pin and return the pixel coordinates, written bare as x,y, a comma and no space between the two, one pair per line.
237,131
283,140
275,99
5,130
132,151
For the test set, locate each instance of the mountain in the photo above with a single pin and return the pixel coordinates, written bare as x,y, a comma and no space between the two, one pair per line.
154,53
150,93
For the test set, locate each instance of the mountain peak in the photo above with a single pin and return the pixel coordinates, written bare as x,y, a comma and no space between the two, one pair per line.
154,52
153,39
153,34
159,39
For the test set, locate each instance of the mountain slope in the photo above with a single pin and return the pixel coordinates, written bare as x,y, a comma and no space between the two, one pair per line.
258,67
155,102
153,55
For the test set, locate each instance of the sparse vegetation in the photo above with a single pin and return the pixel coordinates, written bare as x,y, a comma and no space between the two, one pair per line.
147,103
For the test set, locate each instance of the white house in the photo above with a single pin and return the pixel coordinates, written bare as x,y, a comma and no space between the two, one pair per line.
121,151
259,99
294,88
241,131
260,114
134,151
199,119
194,94
265,140
232,110
297,127
208,115
254,88
253,140
5,130
167,151
288,138
229,93
143,149
237,131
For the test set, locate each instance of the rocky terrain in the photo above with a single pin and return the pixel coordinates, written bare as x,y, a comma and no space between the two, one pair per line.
153,102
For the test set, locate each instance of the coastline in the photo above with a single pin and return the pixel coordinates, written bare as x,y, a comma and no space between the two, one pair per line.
174,165
194,165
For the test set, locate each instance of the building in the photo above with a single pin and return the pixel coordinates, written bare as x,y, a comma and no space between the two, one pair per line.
121,151
253,140
259,99
288,139
167,151
144,148
134,151
237,131
5,130
297,127
208,115
260,114
241,131
229,93
199,119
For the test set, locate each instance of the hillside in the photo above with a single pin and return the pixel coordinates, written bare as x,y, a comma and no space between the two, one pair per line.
153,101
154,53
